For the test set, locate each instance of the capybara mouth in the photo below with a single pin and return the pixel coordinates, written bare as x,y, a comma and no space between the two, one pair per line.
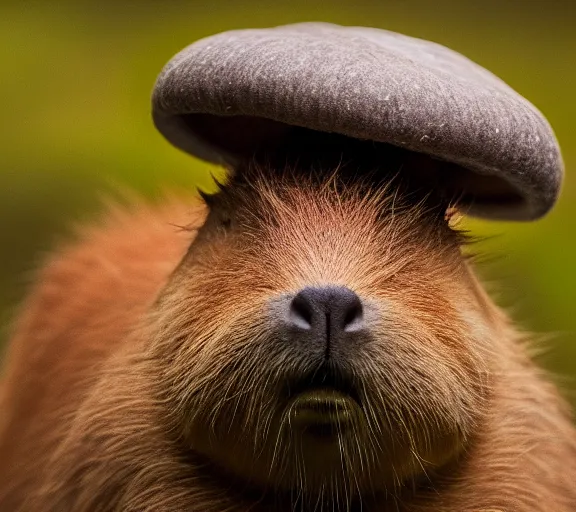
322,412
323,404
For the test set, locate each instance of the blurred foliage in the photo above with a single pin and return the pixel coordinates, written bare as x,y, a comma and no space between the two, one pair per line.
75,86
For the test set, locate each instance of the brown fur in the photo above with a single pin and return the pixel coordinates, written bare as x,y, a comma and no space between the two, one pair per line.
146,376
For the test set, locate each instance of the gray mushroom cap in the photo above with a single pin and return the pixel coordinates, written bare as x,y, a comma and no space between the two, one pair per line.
225,96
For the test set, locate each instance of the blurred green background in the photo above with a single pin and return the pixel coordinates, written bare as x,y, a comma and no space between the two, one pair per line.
75,86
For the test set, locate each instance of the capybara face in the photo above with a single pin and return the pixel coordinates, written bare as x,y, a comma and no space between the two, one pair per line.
322,335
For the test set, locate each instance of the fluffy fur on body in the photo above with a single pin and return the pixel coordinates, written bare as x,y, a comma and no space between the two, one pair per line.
147,372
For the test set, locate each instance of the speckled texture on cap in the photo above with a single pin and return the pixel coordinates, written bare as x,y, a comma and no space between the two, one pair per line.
365,83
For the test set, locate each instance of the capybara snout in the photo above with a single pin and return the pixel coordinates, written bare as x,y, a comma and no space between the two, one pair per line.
324,316
352,294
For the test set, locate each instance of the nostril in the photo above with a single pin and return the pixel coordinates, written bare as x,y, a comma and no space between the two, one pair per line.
327,310
301,312
354,316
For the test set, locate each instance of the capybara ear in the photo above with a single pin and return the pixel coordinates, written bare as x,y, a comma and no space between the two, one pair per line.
229,95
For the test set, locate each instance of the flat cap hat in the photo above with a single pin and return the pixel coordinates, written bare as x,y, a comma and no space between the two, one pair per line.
227,95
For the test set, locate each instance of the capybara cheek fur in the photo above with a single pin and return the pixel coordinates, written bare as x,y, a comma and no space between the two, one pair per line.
308,341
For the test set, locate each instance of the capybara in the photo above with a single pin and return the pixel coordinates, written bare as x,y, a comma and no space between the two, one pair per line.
309,338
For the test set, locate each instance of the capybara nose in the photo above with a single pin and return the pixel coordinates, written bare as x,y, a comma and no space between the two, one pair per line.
326,314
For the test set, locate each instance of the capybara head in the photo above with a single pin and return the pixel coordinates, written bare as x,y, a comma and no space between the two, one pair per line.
323,334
